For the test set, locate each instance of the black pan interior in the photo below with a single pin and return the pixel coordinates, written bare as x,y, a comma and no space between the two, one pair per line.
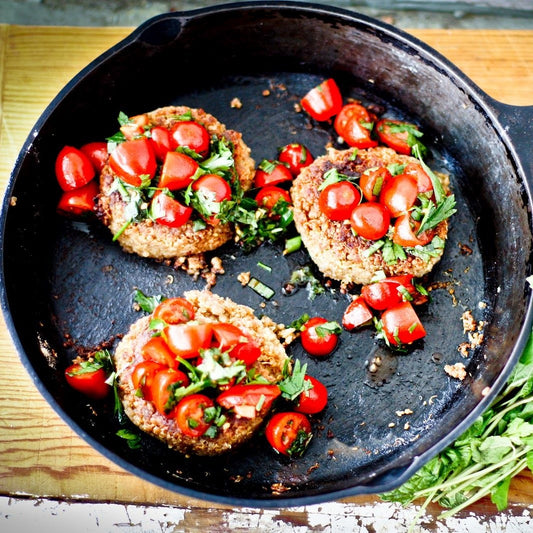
81,285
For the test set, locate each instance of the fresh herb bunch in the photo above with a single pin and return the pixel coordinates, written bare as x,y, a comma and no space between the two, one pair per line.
484,459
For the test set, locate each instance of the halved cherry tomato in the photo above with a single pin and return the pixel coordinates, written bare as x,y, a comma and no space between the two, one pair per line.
178,171
160,139
97,154
92,383
157,350
401,324
289,433
168,211
338,200
186,340
135,127
395,134
227,335
271,173
143,375
357,314
192,135
323,101
405,232
249,400
296,156
247,352
79,201
270,195
422,179
190,414
313,400
354,124
160,388
399,194
370,220
382,295
372,181
174,311
73,168
213,188
133,160
318,343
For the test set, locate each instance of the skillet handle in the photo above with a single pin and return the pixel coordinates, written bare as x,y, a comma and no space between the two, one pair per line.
518,123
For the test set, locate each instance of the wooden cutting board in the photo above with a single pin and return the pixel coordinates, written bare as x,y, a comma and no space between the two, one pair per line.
39,454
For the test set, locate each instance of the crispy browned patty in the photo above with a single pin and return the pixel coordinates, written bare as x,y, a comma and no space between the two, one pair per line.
208,308
150,239
338,253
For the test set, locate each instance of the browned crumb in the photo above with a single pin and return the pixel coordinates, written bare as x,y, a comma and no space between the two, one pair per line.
13,201
297,108
463,349
464,249
236,103
469,324
404,412
457,371
244,278
279,488
266,92
312,468
216,266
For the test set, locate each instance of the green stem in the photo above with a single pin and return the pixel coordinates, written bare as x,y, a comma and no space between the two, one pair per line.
498,416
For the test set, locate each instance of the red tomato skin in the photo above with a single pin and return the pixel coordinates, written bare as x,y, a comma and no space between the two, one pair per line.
213,184
143,375
296,156
247,352
313,343
97,154
369,182
399,194
313,400
159,387
174,311
178,171
157,350
132,159
135,126
323,101
190,134
279,174
405,235
396,141
227,335
249,395
381,295
370,220
357,314
186,340
78,201
92,384
270,195
160,140
73,168
338,200
401,324
283,428
423,181
192,407
169,212
348,125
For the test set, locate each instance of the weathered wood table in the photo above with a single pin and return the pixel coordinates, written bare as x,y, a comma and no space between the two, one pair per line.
41,457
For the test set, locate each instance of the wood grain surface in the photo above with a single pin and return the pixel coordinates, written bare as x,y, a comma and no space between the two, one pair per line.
39,454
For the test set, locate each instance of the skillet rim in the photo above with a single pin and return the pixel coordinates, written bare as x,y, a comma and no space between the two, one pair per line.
389,479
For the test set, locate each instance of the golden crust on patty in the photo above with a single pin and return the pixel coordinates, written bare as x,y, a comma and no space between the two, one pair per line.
208,308
150,239
338,253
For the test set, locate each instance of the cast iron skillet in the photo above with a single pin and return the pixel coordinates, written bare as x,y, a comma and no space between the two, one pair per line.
81,285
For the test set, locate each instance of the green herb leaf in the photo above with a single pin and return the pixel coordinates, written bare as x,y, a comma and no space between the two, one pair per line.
294,384
328,328
147,303
132,439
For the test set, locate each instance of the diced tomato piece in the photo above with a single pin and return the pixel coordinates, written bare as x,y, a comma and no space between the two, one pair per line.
156,349
160,139
97,154
91,383
135,127
133,161
186,340
370,220
73,169
401,324
271,173
142,377
323,101
190,414
241,397
357,314
190,134
399,194
405,232
354,124
372,182
314,400
174,311
270,195
78,201
338,200
178,171
296,156
168,211
160,390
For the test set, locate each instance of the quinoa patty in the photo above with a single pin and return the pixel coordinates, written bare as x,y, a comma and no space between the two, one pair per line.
338,253
150,239
208,308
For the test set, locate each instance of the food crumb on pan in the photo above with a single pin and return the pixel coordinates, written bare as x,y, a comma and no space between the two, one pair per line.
485,391
404,412
266,92
392,424
244,278
313,468
279,488
407,426
457,371
13,201
469,324
236,103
